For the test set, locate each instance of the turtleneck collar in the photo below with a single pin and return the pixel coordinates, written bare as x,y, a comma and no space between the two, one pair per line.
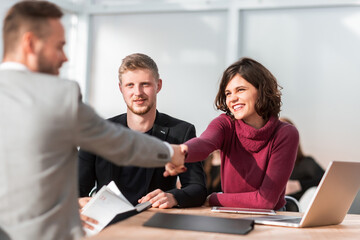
252,139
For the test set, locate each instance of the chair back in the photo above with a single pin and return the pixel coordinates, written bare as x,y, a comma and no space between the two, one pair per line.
292,205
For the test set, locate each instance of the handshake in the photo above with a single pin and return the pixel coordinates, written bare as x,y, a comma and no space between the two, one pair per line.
176,165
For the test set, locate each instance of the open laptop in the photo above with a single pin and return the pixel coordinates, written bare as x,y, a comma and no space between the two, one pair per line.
331,202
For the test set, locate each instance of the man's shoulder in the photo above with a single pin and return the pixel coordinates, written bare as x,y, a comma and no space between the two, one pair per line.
121,118
34,76
39,82
178,131
169,121
52,81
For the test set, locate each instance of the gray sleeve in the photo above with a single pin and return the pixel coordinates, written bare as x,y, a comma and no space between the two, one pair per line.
116,143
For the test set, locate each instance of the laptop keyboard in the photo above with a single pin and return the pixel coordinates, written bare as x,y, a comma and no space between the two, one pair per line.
290,220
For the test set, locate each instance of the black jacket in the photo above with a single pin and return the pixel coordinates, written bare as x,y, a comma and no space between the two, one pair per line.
136,182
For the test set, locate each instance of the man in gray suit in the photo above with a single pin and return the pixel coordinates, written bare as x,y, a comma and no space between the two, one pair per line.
42,121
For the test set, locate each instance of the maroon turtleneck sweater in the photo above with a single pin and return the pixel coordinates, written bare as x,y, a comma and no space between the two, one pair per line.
255,163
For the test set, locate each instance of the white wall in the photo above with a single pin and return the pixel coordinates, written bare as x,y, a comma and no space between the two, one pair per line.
314,52
189,49
4,6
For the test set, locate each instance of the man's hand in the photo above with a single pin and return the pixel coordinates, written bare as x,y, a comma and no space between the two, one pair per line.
83,201
176,165
85,220
159,199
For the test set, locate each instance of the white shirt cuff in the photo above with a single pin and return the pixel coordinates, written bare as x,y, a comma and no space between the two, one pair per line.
171,150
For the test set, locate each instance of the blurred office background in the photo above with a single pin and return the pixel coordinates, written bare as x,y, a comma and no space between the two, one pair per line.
311,46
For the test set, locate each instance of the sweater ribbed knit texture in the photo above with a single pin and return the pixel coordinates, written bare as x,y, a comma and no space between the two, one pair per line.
255,163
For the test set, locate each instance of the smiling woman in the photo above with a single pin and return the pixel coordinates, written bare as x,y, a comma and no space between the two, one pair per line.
248,80
257,150
241,97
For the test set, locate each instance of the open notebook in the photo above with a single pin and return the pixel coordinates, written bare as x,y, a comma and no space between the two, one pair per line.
108,206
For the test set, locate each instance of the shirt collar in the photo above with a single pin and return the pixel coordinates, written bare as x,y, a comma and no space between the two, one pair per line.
13,66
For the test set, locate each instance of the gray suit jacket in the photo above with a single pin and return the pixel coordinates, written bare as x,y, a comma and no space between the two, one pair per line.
42,121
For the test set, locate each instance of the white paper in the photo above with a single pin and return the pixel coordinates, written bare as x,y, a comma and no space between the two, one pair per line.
104,206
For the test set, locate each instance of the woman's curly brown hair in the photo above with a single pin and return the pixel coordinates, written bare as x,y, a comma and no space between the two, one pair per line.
269,95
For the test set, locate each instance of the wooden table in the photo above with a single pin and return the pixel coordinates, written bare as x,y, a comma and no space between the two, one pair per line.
132,228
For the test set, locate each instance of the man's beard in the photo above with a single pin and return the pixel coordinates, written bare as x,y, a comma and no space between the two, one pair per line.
140,112
143,110
44,66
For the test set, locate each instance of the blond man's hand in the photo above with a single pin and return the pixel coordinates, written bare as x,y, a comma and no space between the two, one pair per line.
159,199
